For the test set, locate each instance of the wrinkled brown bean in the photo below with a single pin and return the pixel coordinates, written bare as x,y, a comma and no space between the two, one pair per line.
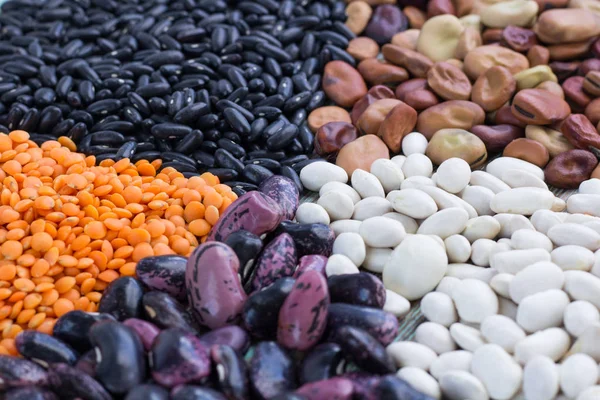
569,51
519,39
573,88
450,114
416,17
568,25
469,39
323,115
552,87
567,170
479,60
332,136
370,120
410,86
539,107
551,139
362,48
497,137
358,13
378,72
591,64
377,92
494,88
421,99
504,115
343,84
400,121
538,55
563,70
449,143
416,63
407,39
492,35
591,83
592,111
528,150
440,7
581,133
449,82
361,153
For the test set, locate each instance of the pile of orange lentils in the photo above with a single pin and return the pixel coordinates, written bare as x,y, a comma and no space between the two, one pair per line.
68,227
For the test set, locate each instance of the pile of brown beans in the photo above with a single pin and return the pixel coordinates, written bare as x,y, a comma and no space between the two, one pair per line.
475,77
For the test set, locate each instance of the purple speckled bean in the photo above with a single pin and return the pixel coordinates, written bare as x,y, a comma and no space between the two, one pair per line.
309,238
165,273
214,288
146,331
19,372
314,262
87,363
364,350
74,384
330,389
277,260
382,325
364,385
284,192
30,393
362,289
303,316
254,212
232,336
179,357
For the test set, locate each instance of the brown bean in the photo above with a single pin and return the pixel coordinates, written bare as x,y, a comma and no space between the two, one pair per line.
491,35
497,137
538,55
416,17
407,39
399,122
377,92
421,99
568,51
362,48
504,115
569,25
449,82
573,88
323,115
469,39
463,7
332,136
378,72
519,39
494,88
581,133
552,87
528,150
361,153
591,64
358,13
440,7
416,63
370,120
563,70
410,86
553,140
567,170
343,84
449,143
450,114
539,107
591,83
483,58
592,111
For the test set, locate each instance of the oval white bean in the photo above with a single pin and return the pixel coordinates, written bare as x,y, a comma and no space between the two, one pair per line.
438,307
417,165
524,201
342,188
453,175
573,257
366,184
435,336
458,248
410,225
412,202
311,213
479,197
352,246
389,174
317,174
371,207
337,204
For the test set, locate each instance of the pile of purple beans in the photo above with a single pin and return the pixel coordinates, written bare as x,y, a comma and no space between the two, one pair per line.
250,315
204,85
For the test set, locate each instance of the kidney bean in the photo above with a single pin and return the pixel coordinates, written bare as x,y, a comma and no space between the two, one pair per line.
44,349
323,361
146,331
72,383
386,21
271,371
122,298
166,312
29,393
363,349
232,372
164,273
361,289
311,262
308,238
247,247
277,260
336,388
190,392
19,372
393,388
87,363
284,192
567,170
380,324
261,311
73,327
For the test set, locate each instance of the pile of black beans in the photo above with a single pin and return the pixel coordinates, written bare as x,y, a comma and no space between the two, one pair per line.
204,85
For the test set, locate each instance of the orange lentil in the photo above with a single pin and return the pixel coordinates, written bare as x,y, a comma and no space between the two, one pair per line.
69,227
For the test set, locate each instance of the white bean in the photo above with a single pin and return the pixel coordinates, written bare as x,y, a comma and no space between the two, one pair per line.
528,239
551,342
466,337
447,285
389,174
366,184
311,213
535,278
444,223
469,271
371,207
513,261
564,234
414,142
435,336
396,304
317,174
382,232
512,222
501,283
461,385
543,220
584,203
579,315
591,186
501,164
345,225
421,381
523,200
503,331
484,227
542,310
376,259
399,160
415,182
342,188
458,248
453,175
480,251
581,285
474,300
540,379
519,178
444,200
488,181
577,373
438,307
337,204
412,202
410,225
500,374
573,257
479,197
352,246
458,360
417,165
339,264
411,354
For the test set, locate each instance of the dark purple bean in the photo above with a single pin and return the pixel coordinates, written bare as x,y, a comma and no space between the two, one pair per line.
147,392
361,289
309,238
73,327
363,349
232,376
271,371
232,336
393,388
322,362
44,349
87,363
189,392
166,312
146,331
164,273
30,393
334,388
122,298
16,372
72,383
380,324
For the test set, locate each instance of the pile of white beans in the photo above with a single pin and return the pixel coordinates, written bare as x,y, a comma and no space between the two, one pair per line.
505,271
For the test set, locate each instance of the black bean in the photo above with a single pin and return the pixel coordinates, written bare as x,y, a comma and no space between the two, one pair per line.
190,141
170,130
236,120
146,155
205,160
224,174
50,116
256,174
271,165
191,113
289,172
30,120
234,148
126,150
